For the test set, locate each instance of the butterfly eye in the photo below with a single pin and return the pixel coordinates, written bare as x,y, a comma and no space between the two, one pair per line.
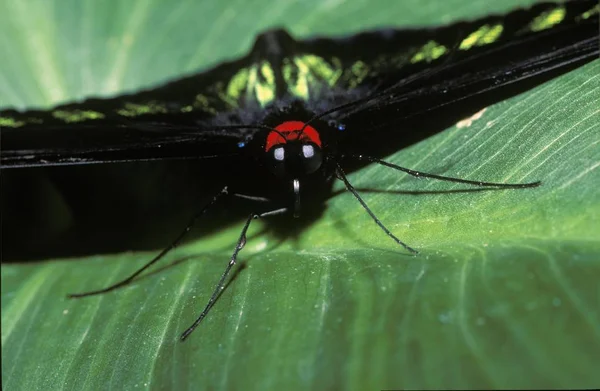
294,159
279,154
276,160
312,158
308,151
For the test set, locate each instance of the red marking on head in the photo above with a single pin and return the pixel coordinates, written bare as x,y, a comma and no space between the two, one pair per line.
290,131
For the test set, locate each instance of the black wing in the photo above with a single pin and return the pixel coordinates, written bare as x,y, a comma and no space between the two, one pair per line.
533,46
175,121
151,138
402,74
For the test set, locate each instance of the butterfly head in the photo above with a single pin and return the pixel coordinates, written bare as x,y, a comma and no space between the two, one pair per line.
293,150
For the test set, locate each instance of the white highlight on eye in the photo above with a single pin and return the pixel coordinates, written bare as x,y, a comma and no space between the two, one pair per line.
308,151
279,154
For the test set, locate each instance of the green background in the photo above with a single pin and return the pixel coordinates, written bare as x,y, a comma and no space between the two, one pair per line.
504,292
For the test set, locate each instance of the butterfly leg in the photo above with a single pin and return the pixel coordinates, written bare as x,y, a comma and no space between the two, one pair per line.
221,284
342,176
164,252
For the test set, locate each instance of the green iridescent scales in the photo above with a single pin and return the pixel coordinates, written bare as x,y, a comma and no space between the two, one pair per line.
304,76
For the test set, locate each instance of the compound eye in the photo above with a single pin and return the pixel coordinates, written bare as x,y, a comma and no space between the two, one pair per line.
279,154
308,151
312,157
276,160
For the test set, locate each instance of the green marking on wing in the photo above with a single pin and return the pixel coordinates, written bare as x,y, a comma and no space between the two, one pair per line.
10,122
590,13
485,35
321,69
429,52
305,72
251,84
264,83
548,19
71,116
238,83
295,76
358,71
135,109
201,102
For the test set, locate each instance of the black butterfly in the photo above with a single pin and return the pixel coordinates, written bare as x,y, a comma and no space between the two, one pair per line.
281,124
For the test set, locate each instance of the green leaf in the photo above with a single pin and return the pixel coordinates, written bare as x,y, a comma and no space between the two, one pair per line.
504,293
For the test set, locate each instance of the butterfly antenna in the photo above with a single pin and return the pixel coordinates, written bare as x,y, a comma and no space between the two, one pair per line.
221,284
341,175
224,127
164,252
258,127
420,174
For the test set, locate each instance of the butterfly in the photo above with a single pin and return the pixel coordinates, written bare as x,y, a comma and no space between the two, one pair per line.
282,124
